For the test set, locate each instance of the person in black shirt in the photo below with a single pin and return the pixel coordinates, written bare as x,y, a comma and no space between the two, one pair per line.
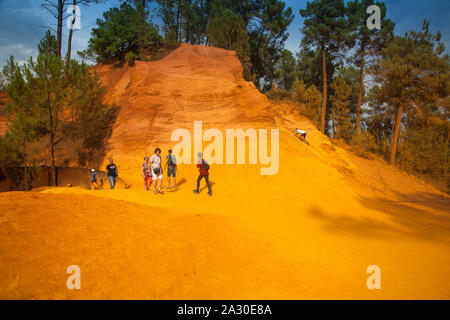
112,171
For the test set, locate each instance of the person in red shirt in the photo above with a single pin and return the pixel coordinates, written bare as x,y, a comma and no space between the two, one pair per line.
203,168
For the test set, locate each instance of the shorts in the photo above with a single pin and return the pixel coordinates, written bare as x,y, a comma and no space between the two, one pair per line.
155,177
172,171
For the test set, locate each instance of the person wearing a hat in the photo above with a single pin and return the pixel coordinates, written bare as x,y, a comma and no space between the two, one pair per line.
147,173
171,165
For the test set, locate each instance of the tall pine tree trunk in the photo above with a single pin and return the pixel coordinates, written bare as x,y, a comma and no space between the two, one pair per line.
165,35
60,10
361,90
397,128
394,116
324,94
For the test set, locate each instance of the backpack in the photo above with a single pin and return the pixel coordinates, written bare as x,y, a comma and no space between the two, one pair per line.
171,163
206,165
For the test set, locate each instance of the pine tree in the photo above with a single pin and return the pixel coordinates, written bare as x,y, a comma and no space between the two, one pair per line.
286,68
121,31
267,29
309,99
412,74
368,42
23,126
351,76
167,13
326,27
48,45
45,78
227,30
340,113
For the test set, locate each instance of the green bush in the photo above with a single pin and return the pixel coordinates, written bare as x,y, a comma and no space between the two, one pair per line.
425,150
279,94
130,57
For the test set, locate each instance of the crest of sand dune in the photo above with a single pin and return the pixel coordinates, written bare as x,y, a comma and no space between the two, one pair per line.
308,232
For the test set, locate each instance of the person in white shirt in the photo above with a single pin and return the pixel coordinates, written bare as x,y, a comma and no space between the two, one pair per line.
301,134
157,171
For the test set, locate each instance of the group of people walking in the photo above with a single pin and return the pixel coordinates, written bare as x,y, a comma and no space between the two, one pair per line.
152,172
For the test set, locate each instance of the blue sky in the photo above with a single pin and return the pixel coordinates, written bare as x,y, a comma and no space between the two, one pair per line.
22,23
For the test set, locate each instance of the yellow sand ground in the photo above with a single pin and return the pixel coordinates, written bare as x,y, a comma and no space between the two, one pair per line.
309,232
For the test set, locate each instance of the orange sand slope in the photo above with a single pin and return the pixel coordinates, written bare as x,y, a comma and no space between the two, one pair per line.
309,232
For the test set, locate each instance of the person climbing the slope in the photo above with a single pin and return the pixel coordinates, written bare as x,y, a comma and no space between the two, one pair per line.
147,173
301,135
157,172
171,165
203,168
112,172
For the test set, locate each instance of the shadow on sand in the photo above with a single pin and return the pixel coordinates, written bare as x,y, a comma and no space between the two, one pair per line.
409,219
206,187
179,184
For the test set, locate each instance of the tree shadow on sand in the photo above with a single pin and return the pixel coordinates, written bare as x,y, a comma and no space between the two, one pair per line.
407,219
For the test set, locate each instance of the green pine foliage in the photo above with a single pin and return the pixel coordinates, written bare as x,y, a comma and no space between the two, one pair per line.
413,75
227,30
286,70
48,45
309,100
340,112
424,149
122,30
